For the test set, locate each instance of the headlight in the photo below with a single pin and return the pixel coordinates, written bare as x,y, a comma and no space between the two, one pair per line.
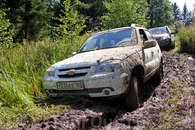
110,66
50,72
164,38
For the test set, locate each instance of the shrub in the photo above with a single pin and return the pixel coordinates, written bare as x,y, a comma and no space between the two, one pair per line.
5,33
187,39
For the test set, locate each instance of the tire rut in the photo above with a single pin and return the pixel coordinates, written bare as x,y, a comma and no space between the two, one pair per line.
179,68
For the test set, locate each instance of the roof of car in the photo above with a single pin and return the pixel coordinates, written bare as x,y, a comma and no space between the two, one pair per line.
158,27
117,29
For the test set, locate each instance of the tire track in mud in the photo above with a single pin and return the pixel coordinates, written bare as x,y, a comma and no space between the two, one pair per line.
112,115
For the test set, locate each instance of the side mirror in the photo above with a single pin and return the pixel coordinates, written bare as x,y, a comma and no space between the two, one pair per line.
148,44
74,53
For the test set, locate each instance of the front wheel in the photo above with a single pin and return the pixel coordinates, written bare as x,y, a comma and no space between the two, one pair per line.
173,47
168,48
132,98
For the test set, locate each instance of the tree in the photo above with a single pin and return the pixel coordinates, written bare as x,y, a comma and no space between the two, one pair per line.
160,13
124,13
176,11
178,25
193,16
28,17
71,22
186,16
5,33
92,9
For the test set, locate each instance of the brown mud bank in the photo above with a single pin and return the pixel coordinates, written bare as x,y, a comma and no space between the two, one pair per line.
169,104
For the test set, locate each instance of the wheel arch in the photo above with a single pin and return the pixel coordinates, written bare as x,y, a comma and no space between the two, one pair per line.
139,72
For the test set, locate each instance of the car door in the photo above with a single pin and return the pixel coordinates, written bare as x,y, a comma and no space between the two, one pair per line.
156,53
150,55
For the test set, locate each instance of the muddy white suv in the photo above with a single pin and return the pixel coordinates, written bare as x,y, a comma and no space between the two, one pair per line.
110,64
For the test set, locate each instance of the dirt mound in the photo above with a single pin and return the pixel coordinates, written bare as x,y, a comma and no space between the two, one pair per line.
169,104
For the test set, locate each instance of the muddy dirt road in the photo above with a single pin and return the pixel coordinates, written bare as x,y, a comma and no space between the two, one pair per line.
170,104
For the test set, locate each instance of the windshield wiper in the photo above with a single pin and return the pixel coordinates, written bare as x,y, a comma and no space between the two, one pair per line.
101,48
109,47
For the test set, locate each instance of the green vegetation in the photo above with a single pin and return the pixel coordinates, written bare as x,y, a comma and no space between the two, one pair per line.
22,70
33,19
35,34
71,23
5,35
187,39
123,13
177,44
157,18
179,102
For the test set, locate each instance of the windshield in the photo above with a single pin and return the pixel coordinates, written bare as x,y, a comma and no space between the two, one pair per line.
158,30
108,39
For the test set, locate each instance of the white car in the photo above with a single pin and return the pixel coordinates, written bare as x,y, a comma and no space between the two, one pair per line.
110,64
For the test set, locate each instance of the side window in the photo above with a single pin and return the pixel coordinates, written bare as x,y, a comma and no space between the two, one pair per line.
142,36
149,35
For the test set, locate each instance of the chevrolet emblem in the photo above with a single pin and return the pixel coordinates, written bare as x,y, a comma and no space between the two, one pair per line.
71,72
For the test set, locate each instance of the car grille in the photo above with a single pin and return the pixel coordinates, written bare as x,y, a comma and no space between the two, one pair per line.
77,72
157,38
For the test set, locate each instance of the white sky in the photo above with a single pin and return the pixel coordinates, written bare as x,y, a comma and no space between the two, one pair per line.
180,3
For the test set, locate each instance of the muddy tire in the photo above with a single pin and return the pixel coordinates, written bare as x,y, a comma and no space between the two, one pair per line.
132,98
168,48
173,47
159,75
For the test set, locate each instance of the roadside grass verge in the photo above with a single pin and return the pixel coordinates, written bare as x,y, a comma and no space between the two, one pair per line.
178,109
187,39
22,70
177,44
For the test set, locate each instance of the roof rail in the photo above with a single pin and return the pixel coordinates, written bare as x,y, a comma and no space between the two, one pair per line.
136,25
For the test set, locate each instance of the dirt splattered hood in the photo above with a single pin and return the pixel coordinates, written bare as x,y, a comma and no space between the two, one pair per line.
160,35
95,57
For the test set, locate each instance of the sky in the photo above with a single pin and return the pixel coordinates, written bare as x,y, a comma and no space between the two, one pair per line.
180,3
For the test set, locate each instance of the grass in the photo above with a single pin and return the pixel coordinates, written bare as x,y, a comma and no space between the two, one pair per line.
187,39
22,70
177,44
177,110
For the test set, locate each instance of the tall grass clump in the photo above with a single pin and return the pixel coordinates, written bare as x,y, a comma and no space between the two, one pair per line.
22,70
187,39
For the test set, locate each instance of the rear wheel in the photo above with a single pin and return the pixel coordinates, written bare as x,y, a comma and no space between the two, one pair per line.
132,98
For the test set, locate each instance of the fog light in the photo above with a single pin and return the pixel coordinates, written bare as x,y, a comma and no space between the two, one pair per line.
106,91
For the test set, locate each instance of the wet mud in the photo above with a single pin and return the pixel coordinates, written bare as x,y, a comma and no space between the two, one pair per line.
179,70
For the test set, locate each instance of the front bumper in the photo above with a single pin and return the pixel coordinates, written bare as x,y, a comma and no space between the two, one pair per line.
99,85
163,43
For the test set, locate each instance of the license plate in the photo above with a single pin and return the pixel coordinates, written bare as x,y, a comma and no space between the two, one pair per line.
70,85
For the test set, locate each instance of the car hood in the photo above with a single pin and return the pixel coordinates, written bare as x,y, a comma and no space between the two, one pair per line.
95,57
160,35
